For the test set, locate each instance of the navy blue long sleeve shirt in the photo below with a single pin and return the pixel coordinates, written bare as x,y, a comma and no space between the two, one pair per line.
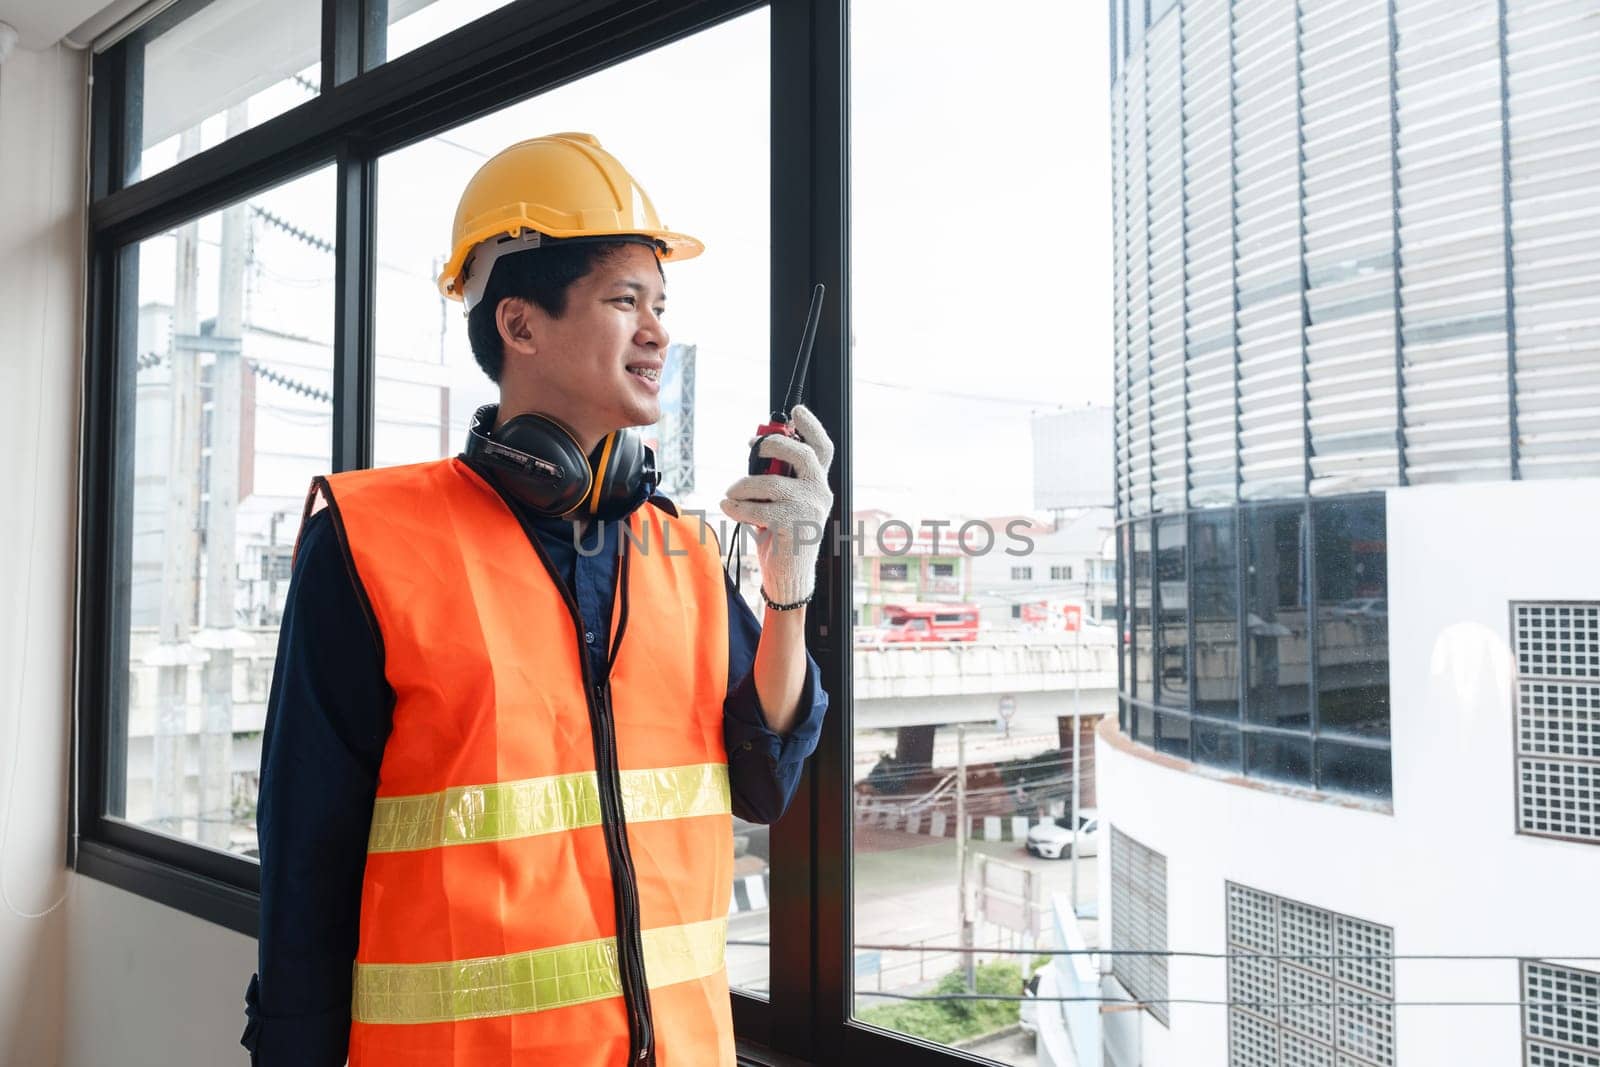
328,718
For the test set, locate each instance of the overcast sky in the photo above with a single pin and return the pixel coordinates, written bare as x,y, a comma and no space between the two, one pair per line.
981,213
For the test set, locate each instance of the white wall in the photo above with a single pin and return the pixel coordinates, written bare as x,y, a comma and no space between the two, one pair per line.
1446,870
89,975
148,986
41,242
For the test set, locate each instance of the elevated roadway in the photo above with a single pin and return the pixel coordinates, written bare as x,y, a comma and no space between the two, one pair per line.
907,685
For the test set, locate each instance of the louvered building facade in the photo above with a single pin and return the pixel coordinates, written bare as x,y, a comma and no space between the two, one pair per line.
1357,470
1357,252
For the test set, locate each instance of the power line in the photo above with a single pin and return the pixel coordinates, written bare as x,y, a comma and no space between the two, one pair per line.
154,359
291,384
1444,956
304,236
970,397
1139,1003
1228,955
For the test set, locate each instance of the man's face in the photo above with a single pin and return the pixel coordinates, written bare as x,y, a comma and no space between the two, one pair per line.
598,367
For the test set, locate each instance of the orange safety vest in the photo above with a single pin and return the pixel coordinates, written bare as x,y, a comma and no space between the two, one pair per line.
527,812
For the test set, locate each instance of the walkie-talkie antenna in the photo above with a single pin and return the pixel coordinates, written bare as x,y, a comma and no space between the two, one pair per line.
802,359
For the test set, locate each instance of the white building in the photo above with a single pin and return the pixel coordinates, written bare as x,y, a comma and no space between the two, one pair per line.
1358,466
1034,562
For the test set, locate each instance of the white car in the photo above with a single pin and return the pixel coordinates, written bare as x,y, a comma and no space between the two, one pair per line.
1051,842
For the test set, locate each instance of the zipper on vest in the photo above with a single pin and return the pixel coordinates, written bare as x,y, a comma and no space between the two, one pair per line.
630,942
624,884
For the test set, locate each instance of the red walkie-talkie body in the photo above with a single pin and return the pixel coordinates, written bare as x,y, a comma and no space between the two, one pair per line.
779,423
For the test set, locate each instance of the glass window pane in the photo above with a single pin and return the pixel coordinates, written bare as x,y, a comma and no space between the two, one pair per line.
1284,759
1172,644
1216,613
1143,688
1216,745
974,368
1275,616
413,23
230,66
1352,617
232,418
1144,724
1353,769
1124,634
1172,735
714,384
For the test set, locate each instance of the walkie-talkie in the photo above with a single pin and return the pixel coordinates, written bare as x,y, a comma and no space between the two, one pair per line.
779,425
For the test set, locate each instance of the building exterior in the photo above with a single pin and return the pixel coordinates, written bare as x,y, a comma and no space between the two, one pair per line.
897,563
1007,564
1357,250
1070,559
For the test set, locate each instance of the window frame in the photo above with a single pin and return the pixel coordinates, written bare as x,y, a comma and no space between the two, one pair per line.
368,108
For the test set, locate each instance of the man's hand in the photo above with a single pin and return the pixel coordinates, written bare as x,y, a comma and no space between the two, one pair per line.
789,512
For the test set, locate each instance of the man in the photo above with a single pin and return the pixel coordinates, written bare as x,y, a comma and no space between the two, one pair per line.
516,697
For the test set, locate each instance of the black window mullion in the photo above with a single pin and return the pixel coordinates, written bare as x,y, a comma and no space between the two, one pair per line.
1154,696
355,263
342,23
1188,599
1125,664
1313,624
104,529
115,123
810,234
1241,613
118,387
355,38
374,33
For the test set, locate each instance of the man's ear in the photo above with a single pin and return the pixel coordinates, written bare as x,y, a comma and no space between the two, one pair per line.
514,318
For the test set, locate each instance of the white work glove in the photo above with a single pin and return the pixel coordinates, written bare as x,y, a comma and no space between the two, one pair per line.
788,513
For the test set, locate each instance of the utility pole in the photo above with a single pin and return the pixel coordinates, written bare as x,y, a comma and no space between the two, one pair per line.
969,964
271,615
222,490
174,653
1077,710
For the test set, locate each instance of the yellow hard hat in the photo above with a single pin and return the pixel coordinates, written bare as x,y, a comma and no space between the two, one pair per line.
563,185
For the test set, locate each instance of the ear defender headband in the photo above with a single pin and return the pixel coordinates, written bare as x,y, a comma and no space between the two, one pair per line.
538,461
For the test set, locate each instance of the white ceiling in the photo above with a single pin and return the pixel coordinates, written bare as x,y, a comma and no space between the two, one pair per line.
41,23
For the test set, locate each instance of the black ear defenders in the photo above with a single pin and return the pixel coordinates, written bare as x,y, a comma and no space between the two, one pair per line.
538,461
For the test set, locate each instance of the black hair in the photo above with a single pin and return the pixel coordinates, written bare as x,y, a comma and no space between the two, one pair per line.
540,276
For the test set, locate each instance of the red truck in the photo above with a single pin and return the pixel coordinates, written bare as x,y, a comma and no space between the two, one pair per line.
928,623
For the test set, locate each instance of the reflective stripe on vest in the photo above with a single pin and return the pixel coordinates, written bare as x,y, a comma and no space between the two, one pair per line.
505,810
531,981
